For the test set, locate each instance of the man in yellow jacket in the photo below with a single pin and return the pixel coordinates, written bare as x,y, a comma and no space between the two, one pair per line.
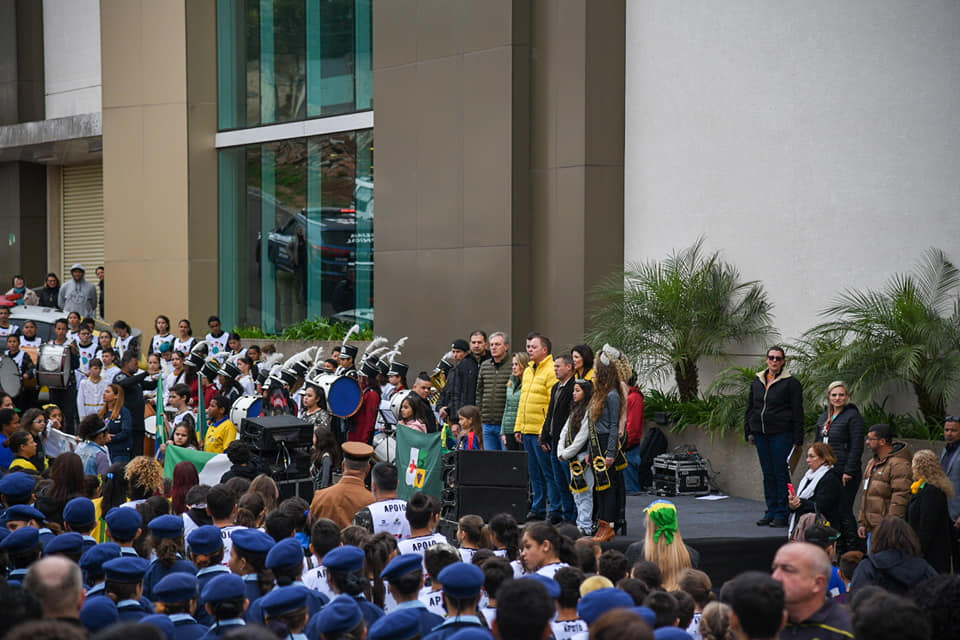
538,380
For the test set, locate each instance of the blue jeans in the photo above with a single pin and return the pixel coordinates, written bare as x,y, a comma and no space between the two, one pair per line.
631,475
561,475
491,437
773,449
541,476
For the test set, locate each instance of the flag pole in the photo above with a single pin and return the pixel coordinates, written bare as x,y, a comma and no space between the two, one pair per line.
161,417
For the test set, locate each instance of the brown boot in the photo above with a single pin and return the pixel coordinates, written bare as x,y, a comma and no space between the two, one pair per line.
604,532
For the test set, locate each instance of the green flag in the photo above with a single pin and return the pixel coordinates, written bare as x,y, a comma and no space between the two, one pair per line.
418,462
210,466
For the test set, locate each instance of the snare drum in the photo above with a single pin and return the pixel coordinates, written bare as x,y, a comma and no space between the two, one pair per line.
342,392
9,376
384,447
53,370
250,406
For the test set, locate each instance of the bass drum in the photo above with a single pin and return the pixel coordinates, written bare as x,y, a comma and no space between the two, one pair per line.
250,406
9,376
342,393
384,447
53,369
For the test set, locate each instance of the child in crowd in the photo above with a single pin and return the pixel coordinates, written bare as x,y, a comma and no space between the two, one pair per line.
90,391
574,448
472,536
411,413
471,429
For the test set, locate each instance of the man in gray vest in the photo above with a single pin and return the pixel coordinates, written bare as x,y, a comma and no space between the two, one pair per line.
388,513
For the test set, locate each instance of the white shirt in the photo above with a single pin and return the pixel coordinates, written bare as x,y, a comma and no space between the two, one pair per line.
420,544
36,342
218,346
433,601
316,579
568,628
5,331
225,535
390,516
109,373
184,346
549,570
159,340
90,396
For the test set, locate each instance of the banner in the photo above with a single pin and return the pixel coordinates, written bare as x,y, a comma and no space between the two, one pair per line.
210,466
419,463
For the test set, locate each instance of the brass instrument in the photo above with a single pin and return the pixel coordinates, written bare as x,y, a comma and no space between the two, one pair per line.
438,377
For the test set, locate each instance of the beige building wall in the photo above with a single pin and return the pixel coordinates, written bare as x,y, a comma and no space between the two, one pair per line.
159,181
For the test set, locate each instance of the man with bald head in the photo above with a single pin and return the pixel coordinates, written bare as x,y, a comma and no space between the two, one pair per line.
804,571
57,583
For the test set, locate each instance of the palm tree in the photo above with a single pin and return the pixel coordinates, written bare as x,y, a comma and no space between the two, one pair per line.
668,315
907,333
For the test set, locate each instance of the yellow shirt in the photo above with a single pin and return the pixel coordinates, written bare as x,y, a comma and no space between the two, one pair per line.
22,463
220,437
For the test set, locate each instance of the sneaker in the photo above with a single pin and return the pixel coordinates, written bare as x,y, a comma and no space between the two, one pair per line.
764,521
779,523
531,515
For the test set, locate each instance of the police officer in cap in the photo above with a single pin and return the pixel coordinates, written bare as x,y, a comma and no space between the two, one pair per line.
343,500
461,594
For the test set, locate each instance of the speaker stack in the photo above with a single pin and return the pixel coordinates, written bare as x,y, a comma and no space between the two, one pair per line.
284,445
485,483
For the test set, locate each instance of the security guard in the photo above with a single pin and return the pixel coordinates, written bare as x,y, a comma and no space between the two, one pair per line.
342,501
461,594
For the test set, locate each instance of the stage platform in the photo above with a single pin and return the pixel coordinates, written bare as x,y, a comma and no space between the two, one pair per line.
723,531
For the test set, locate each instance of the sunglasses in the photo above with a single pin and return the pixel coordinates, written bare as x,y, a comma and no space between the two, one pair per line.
775,358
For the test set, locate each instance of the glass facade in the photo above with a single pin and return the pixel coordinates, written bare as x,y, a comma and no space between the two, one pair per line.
296,231
288,60
296,215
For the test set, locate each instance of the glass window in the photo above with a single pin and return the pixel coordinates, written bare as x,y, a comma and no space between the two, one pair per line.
287,60
296,231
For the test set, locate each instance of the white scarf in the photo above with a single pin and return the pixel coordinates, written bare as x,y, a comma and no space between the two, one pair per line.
808,484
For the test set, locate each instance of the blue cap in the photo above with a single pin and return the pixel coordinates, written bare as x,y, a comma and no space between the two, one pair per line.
17,483
402,565
23,539
472,633
284,600
4,532
162,622
596,603
205,540
401,624
461,580
125,569
166,527
344,558
94,557
341,614
123,522
553,587
225,586
648,615
24,512
99,612
176,587
671,633
70,542
252,540
80,511
286,553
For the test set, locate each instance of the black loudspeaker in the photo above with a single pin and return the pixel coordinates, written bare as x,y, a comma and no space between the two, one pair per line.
485,501
268,434
487,468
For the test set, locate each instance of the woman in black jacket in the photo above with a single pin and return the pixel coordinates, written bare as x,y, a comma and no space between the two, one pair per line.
842,427
927,512
820,490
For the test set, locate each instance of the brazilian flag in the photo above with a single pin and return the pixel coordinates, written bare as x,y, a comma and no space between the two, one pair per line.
419,463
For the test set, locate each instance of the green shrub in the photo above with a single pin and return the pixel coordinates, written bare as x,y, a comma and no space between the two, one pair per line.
315,328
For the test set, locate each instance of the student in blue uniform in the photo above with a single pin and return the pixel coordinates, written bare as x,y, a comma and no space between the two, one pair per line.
404,575
91,563
226,601
80,516
23,548
69,545
248,559
345,576
286,612
178,593
124,583
123,527
167,533
401,624
285,561
205,546
98,613
161,622
461,594
15,488
342,617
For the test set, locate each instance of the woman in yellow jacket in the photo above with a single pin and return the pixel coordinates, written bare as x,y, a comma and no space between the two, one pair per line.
538,380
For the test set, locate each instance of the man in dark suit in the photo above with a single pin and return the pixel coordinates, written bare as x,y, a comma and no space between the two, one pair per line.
561,397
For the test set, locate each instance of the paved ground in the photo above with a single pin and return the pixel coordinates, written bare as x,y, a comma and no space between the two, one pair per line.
727,518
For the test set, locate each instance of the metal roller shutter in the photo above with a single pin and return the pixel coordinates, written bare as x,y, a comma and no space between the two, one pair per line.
82,226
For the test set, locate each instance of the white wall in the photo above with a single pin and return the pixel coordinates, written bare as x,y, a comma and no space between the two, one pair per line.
816,143
71,64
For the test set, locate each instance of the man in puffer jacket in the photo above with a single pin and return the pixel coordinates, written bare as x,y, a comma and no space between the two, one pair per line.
887,480
538,381
774,424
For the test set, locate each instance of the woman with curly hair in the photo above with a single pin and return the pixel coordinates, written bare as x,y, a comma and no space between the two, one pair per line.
144,479
927,512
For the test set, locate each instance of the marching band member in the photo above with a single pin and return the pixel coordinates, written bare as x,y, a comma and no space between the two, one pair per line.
90,391
26,398
6,328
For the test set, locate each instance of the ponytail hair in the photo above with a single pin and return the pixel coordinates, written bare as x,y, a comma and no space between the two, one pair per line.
505,528
562,546
475,531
